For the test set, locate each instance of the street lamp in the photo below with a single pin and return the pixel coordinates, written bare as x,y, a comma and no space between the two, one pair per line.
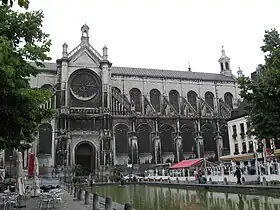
11,164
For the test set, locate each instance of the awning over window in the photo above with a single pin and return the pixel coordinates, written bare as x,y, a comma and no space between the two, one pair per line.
240,157
187,163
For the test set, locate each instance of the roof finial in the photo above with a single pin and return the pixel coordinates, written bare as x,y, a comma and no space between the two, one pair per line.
189,63
223,50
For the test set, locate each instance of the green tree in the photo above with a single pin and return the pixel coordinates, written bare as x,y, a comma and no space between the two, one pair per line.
21,3
263,94
21,40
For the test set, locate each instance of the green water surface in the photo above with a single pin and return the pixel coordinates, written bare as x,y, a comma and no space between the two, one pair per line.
158,198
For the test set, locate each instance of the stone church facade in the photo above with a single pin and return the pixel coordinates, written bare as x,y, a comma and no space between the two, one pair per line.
109,115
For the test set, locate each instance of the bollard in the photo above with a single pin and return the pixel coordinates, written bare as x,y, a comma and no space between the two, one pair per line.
86,197
95,203
79,196
108,203
71,189
225,181
128,206
75,192
68,188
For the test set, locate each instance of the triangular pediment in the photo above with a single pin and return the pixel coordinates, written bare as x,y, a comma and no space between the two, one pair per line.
84,56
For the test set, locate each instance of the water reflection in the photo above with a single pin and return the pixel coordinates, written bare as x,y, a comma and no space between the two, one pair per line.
156,198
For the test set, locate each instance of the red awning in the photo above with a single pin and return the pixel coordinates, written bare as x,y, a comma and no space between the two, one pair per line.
186,163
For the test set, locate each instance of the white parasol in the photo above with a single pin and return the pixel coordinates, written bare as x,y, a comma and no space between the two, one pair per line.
20,178
36,187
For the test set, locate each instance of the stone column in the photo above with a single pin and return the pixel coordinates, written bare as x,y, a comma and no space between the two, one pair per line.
199,141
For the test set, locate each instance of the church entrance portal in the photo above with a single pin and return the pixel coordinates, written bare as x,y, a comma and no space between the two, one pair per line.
85,156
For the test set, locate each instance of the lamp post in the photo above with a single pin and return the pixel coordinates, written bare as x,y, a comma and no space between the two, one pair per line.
11,164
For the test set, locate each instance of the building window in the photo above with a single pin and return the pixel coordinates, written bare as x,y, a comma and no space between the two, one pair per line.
248,128
236,150
234,132
244,148
251,146
242,129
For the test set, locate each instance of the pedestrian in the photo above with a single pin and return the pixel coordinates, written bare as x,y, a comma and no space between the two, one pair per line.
238,175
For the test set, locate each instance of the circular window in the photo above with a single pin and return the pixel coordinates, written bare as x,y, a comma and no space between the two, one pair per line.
84,86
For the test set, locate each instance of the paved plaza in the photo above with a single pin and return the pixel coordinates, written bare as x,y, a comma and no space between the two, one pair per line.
68,203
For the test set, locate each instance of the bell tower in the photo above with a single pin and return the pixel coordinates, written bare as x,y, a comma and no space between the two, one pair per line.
225,64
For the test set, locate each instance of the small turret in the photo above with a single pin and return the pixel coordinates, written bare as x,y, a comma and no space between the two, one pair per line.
225,63
64,50
105,53
85,34
239,72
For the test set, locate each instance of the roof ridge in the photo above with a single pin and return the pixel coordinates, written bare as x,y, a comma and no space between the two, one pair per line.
188,72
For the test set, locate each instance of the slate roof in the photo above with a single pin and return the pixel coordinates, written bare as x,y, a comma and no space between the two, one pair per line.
158,73
144,72
240,111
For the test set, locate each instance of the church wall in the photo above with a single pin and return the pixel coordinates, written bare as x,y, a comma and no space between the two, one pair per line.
145,85
42,79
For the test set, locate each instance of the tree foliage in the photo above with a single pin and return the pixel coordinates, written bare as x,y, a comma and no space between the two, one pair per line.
21,3
263,94
21,40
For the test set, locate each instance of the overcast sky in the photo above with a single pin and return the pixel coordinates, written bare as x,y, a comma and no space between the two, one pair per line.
164,34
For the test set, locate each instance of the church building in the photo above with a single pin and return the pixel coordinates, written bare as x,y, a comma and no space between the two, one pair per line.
109,115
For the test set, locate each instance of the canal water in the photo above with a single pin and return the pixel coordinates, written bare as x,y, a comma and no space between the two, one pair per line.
157,198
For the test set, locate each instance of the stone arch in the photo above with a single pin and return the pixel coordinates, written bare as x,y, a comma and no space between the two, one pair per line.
192,96
121,138
155,98
45,139
208,131
117,89
166,136
85,156
144,138
228,98
209,99
187,131
50,103
84,89
174,99
136,98
47,87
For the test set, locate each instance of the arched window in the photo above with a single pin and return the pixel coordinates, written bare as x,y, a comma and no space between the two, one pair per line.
121,138
222,66
166,136
174,99
155,97
192,98
143,135
116,89
209,99
207,130
135,97
227,65
45,139
188,135
228,99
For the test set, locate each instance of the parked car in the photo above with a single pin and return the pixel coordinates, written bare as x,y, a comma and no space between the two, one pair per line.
132,177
